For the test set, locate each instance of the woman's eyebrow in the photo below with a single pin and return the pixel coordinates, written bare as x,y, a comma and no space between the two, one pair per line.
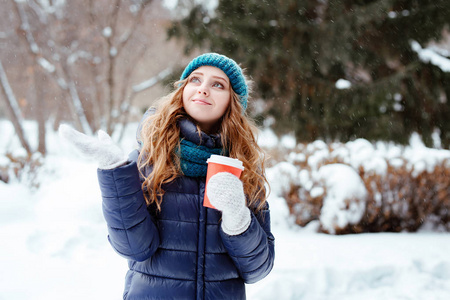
222,78
197,73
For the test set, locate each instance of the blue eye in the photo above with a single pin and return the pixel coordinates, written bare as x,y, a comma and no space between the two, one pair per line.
218,85
194,79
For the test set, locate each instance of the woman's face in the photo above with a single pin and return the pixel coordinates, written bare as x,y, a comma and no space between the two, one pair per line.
207,96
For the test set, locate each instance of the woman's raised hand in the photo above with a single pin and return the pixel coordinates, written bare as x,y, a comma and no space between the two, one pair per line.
102,149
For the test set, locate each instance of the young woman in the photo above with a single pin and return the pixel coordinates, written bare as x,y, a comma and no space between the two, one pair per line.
153,200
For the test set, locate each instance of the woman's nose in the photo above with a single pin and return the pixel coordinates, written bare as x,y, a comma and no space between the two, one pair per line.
203,90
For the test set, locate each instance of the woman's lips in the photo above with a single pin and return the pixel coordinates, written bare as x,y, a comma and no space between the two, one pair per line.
201,102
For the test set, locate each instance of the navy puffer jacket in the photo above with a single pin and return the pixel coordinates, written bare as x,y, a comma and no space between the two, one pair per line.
181,251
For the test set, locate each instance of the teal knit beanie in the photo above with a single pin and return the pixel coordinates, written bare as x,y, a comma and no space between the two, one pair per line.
228,66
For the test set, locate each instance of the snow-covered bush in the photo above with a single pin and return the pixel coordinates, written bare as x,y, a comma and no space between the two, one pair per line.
364,187
20,167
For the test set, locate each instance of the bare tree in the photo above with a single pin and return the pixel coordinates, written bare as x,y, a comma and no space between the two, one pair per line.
84,62
84,54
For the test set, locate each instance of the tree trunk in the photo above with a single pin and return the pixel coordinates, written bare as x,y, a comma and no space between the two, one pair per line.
13,109
40,109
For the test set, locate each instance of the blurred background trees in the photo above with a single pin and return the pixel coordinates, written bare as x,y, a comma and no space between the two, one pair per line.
331,70
336,70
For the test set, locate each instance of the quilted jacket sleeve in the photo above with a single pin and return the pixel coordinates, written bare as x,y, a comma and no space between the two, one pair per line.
132,231
253,251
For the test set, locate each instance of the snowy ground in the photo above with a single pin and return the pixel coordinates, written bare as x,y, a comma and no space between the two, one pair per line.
54,246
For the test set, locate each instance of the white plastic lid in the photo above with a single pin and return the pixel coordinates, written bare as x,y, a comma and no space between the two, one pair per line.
224,160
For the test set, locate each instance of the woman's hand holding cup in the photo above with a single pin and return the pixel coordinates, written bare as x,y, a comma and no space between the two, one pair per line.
225,192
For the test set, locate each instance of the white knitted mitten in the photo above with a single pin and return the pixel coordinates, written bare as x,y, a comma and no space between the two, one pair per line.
103,150
226,193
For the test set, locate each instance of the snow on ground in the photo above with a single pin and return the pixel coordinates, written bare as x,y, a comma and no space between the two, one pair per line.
54,244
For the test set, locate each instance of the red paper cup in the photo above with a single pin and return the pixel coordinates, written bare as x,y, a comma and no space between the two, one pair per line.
217,164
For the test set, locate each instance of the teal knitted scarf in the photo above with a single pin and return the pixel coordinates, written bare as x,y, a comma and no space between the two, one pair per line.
193,158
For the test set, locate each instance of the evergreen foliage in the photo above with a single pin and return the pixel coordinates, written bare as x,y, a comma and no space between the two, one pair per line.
296,50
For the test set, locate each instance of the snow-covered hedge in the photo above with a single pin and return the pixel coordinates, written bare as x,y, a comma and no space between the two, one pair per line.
19,166
363,187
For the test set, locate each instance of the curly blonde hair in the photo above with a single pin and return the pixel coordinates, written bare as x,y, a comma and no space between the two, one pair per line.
160,136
